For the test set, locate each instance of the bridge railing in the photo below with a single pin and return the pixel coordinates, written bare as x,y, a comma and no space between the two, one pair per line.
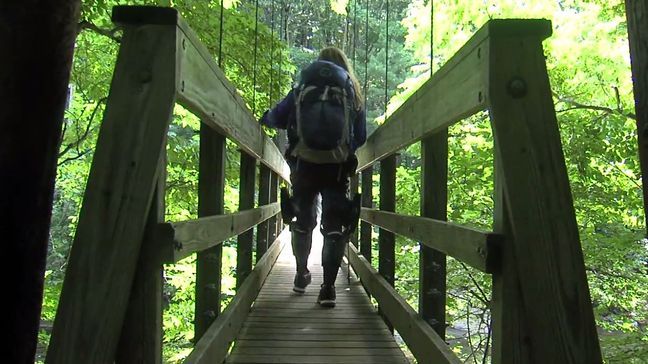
541,306
110,308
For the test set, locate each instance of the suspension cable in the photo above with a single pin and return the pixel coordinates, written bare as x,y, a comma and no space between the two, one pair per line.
386,57
220,37
272,43
256,44
431,37
355,30
366,53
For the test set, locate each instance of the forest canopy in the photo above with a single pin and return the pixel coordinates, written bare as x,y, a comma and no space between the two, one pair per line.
589,68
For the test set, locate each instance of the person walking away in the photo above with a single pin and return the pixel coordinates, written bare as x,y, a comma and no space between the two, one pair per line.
326,123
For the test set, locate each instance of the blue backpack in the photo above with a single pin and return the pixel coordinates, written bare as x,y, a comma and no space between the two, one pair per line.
324,100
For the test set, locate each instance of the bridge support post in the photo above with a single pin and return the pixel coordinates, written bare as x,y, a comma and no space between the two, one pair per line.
141,336
551,320
211,201
367,201
434,203
102,263
263,229
246,201
386,239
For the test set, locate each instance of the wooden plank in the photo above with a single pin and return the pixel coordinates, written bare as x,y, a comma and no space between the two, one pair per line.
434,204
264,199
117,199
213,346
421,339
367,202
205,91
637,17
314,344
557,307
141,335
323,337
271,331
509,327
211,201
456,91
308,359
246,201
318,351
186,237
471,246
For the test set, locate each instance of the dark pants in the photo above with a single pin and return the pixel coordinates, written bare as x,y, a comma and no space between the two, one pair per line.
331,181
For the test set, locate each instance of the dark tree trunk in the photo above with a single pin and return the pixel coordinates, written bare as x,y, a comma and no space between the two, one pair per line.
637,14
37,39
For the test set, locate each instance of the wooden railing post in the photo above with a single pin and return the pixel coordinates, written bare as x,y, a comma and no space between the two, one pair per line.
353,190
555,301
141,336
211,201
367,201
264,198
246,201
386,239
118,196
434,201
273,222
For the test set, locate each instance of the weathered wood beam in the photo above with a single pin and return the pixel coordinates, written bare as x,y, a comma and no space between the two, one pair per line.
117,199
186,237
545,242
434,204
456,91
245,240
211,201
471,246
386,238
214,345
141,335
264,199
367,202
421,339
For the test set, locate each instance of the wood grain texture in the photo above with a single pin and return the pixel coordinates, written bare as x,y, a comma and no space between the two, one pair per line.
284,327
434,204
547,250
213,346
367,202
211,201
421,339
117,199
141,335
264,199
186,237
471,246
245,240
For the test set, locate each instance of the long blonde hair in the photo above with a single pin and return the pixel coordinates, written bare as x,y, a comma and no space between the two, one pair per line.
335,55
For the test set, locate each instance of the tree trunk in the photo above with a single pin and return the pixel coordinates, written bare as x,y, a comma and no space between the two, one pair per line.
37,38
637,14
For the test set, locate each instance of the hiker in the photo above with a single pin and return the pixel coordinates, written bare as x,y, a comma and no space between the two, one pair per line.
325,119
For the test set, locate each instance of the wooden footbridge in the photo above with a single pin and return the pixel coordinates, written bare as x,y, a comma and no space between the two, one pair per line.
110,308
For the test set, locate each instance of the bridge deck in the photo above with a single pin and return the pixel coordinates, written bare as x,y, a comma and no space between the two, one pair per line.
284,327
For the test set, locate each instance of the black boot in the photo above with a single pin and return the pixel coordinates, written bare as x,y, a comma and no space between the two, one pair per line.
301,244
332,253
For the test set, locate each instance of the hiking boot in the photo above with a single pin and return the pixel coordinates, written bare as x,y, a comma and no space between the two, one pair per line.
301,281
326,296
